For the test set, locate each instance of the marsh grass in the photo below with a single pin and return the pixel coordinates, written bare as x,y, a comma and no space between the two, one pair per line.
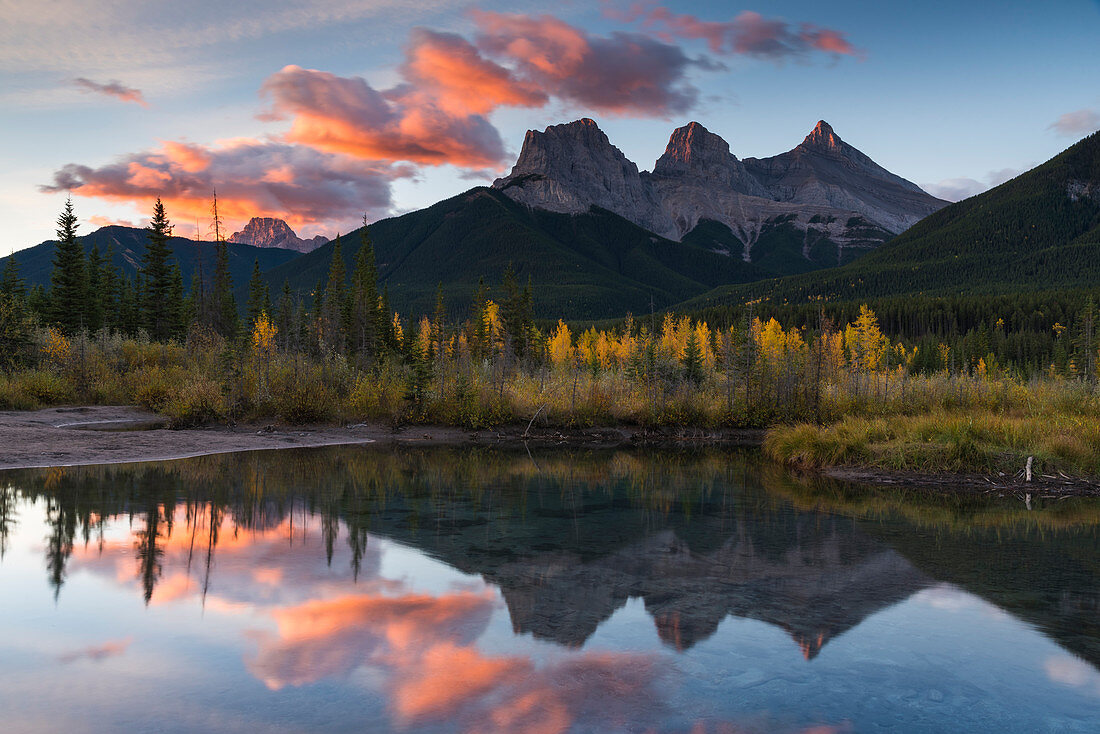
974,440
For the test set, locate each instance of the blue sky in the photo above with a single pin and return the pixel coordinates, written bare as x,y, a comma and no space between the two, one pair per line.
953,96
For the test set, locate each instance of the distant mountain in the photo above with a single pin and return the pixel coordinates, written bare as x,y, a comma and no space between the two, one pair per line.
271,232
821,204
1039,231
586,266
128,244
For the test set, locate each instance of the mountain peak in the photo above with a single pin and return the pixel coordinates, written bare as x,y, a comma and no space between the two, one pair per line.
273,232
822,136
693,152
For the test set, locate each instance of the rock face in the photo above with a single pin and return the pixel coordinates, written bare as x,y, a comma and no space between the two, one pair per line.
572,167
824,197
271,232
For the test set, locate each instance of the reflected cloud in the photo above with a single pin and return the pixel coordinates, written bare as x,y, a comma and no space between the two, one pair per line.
1071,671
97,653
424,647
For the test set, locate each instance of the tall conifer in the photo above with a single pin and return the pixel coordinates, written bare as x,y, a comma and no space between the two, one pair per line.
68,282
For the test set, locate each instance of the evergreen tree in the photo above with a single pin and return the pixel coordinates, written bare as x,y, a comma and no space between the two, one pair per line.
284,317
96,305
158,312
439,324
109,289
365,317
692,359
332,306
68,282
11,283
179,307
258,300
16,324
224,305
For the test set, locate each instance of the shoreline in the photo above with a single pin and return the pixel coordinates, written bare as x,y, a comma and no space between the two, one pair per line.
89,435
72,436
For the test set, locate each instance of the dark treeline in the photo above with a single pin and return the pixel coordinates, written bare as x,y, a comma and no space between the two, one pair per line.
1027,334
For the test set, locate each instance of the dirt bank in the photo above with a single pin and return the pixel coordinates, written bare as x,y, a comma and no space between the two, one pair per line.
72,436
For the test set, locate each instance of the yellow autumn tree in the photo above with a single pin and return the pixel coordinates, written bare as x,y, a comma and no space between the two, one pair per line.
263,349
561,346
865,341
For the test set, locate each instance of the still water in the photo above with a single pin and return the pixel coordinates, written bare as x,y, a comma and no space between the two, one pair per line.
487,591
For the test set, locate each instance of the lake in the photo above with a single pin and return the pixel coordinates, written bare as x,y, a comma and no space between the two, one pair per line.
477,590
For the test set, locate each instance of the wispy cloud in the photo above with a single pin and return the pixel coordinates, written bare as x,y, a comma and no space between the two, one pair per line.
747,34
1077,123
113,88
957,189
97,653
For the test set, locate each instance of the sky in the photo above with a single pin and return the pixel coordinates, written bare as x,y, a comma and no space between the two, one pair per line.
322,112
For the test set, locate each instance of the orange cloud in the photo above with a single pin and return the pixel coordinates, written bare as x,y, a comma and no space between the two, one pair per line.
425,646
253,178
347,115
461,79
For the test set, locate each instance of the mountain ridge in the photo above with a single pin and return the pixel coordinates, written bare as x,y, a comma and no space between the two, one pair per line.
823,189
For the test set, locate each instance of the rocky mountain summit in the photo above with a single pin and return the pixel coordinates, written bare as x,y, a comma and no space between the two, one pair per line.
271,232
824,200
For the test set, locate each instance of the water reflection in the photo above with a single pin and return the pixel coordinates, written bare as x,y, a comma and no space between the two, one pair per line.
393,573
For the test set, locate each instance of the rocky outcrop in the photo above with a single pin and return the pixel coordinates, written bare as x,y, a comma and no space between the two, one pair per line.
572,167
825,171
271,232
824,189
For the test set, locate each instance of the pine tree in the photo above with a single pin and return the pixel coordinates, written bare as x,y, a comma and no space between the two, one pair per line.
439,324
224,304
68,282
284,317
11,283
365,317
258,301
332,307
179,308
16,323
692,358
96,306
157,309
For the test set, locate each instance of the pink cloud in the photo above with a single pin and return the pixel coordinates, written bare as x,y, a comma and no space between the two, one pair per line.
97,653
461,79
347,115
253,178
1077,123
748,34
624,73
112,88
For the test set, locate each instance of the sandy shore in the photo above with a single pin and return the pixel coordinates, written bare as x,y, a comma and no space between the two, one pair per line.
73,436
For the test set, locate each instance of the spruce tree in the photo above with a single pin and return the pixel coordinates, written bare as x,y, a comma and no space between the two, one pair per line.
96,306
284,317
68,282
332,307
158,315
109,290
692,359
16,323
179,310
365,317
439,324
257,295
11,283
224,304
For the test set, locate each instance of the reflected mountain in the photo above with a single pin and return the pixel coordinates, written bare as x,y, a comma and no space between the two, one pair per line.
570,537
